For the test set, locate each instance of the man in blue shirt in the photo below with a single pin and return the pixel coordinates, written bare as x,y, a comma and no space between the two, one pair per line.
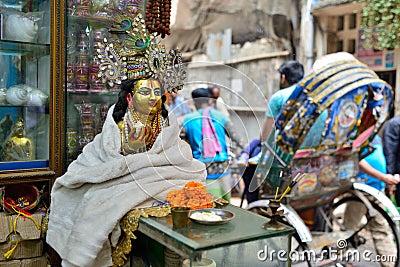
291,72
391,145
209,127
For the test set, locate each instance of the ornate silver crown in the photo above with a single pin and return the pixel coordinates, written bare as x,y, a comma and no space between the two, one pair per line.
132,52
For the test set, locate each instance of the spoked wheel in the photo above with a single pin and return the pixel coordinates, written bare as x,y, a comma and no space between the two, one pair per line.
300,247
349,221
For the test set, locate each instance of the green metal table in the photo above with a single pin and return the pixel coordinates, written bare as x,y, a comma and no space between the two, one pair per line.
240,242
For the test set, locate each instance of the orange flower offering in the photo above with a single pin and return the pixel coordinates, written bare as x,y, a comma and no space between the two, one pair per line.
193,195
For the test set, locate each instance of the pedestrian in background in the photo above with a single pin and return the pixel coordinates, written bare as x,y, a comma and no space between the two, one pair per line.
373,173
217,100
391,149
291,72
206,130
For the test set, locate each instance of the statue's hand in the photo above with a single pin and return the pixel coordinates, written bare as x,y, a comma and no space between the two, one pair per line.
140,137
137,137
138,133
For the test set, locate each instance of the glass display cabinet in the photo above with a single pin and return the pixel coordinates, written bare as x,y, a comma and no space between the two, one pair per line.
87,98
30,104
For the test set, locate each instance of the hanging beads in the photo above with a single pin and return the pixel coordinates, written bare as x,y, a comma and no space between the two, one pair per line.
158,17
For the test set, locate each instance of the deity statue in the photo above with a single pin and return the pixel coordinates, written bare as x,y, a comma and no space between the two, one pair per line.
142,119
136,159
17,146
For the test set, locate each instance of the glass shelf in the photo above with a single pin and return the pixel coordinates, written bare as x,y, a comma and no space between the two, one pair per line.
16,48
91,93
24,106
94,21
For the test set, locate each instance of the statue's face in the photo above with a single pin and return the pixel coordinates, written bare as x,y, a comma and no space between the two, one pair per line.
19,128
147,96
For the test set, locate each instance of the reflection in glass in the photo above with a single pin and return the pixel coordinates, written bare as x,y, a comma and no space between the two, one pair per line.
87,111
72,143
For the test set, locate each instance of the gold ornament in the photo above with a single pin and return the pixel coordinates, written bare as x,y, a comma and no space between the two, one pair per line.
18,147
129,224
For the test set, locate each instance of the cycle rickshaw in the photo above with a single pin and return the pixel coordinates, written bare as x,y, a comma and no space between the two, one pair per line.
353,104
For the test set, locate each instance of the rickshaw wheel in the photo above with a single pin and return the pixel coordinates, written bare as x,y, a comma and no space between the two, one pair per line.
356,240
301,246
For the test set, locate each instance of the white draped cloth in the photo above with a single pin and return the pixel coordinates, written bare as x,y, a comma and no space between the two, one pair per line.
102,185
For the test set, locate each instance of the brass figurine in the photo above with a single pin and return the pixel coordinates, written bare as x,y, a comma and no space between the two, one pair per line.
18,147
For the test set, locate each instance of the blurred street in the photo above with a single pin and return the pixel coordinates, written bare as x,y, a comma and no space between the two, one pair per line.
236,200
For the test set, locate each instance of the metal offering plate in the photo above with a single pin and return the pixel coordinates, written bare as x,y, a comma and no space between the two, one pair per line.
211,216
